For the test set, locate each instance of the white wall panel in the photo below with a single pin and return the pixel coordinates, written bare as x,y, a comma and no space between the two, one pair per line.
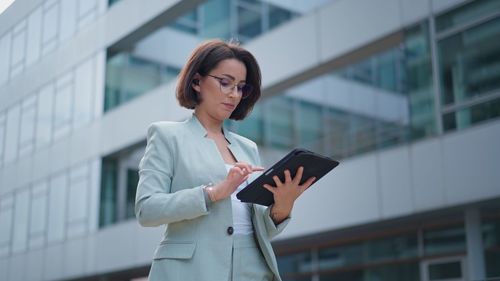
472,166
33,46
100,72
34,265
4,268
75,252
38,218
87,12
342,30
18,49
21,221
68,19
12,134
440,5
63,106
3,128
57,208
45,112
279,65
413,11
6,221
427,170
40,159
78,200
17,266
94,194
5,44
28,121
347,196
395,182
84,93
53,262
50,27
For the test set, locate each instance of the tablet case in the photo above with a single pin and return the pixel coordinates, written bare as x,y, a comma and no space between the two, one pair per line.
315,165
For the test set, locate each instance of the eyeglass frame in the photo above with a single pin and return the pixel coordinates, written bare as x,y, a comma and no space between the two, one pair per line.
239,89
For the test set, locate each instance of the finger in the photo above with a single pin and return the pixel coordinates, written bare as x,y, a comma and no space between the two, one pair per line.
237,171
257,168
307,184
247,167
298,176
288,176
277,181
270,188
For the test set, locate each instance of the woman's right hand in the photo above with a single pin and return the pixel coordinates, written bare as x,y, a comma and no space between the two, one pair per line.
235,177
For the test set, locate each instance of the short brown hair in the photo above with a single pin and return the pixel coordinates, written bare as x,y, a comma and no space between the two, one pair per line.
205,58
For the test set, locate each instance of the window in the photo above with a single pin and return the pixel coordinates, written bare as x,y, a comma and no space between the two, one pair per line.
469,64
153,61
119,179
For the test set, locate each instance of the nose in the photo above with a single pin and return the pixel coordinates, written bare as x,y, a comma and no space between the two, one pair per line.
234,90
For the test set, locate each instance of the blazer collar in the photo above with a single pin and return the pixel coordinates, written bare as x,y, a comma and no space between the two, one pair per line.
198,129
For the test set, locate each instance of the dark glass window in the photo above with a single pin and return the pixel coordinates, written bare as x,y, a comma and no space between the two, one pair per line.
109,192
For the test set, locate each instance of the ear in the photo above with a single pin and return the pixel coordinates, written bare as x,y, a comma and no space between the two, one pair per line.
195,83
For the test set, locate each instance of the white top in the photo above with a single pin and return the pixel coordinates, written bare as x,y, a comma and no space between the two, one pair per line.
242,221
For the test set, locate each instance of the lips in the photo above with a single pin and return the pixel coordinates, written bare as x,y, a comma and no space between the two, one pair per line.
228,106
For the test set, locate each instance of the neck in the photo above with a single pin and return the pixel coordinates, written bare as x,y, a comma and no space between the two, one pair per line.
212,125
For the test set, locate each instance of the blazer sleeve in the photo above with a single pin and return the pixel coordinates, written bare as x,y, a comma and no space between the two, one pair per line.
155,204
271,228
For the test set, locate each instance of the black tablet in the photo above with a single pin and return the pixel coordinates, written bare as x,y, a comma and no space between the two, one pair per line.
315,165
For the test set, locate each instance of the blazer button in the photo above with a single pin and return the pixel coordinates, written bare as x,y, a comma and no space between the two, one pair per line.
230,230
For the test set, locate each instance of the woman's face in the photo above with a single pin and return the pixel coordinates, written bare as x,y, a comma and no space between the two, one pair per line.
214,102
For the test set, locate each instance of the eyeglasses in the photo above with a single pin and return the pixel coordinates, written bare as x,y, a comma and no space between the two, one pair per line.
226,87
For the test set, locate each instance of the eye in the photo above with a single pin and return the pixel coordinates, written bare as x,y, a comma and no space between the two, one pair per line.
242,87
225,83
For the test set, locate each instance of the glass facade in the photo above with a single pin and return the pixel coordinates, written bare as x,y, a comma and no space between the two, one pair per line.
388,98
359,108
491,240
119,179
149,65
469,64
386,258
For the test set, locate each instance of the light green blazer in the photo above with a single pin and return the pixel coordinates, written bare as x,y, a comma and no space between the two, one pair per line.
178,162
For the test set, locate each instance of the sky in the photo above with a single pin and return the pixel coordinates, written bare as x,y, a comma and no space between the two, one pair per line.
4,4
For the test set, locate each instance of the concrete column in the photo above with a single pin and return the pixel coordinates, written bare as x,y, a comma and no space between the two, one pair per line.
475,249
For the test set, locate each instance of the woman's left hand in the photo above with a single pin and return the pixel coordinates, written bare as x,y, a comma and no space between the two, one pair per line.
285,193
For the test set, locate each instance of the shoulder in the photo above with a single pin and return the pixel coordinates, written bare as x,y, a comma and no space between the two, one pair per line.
165,128
243,140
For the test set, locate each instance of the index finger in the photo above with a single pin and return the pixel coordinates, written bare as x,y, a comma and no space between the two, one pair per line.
257,168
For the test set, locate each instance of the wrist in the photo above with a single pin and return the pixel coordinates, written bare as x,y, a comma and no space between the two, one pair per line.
211,193
279,214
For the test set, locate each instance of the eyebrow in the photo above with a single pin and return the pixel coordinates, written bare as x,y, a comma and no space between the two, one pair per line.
232,77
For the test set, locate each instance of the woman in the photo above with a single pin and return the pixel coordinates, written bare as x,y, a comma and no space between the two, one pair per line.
191,171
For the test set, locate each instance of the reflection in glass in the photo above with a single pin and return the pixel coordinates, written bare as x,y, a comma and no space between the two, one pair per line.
470,63
279,122
467,13
419,81
341,256
491,241
249,22
464,118
310,126
444,241
445,270
393,248
109,192
132,181
129,76
156,59
295,263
